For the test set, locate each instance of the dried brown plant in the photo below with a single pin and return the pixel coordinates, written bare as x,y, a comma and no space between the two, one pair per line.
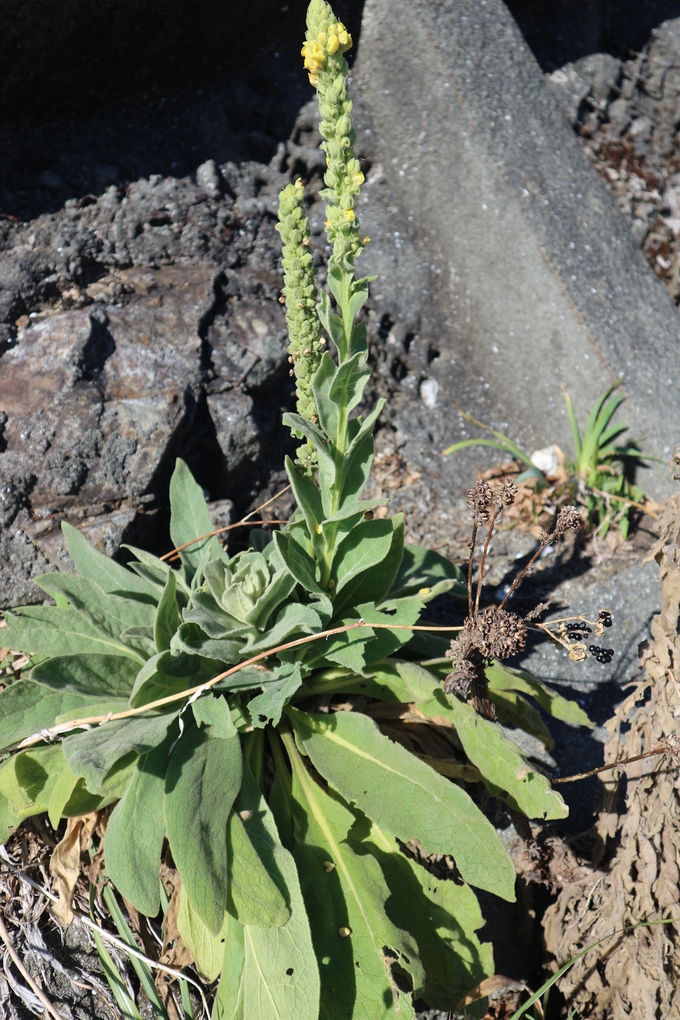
637,974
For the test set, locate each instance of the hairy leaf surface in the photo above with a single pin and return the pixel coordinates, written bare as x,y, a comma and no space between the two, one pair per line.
90,754
27,707
110,576
135,832
95,674
504,768
405,796
190,519
203,778
345,898
49,630
270,973
442,916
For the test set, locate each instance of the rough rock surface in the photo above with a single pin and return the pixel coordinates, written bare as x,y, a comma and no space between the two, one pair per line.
532,276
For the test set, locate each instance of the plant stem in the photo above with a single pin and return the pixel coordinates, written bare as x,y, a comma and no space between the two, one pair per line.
481,565
473,539
614,765
518,580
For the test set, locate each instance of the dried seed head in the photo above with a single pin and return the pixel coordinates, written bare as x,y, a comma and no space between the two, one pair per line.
505,494
460,680
478,502
497,633
537,611
568,518
675,464
578,652
467,667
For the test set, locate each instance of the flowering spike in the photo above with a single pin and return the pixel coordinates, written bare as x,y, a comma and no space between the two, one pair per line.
300,294
326,41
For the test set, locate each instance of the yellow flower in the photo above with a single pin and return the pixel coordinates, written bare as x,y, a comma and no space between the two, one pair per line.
350,215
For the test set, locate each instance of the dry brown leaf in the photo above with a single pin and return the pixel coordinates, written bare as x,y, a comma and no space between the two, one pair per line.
65,864
636,975
490,986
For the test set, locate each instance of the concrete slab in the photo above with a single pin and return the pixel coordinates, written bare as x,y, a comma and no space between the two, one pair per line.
528,275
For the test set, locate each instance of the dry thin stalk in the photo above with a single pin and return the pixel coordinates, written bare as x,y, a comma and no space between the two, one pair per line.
229,527
35,988
93,720
109,937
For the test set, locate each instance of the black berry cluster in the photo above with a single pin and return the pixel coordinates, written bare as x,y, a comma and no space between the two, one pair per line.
601,654
605,617
578,630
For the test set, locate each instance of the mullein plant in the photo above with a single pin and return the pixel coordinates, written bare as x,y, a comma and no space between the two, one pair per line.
221,715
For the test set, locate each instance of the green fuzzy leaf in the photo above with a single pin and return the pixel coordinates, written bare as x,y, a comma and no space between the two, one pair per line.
507,678
514,710
135,832
203,778
110,576
168,617
317,438
253,898
327,410
82,802
293,621
154,570
441,915
190,519
207,949
258,894
92,753
9,821
28,778
62,792
330,321
34,781
347,385
397,612
113,614
504,768
301,566
358,458
406,682
423,568
48,630
359,296
95,674
359,649
167,674
308,499
269,973
345,895
267,707
366,565
405,796
366,546
229,1001
27,708
191,638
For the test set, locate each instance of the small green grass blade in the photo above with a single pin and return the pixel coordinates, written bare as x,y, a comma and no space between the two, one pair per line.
547,985
142,969
574,424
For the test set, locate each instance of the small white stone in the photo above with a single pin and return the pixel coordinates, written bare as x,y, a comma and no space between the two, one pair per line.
429,389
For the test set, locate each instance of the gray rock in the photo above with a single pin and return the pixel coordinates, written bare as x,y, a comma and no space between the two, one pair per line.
97,399
602,71
528,274
570,89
